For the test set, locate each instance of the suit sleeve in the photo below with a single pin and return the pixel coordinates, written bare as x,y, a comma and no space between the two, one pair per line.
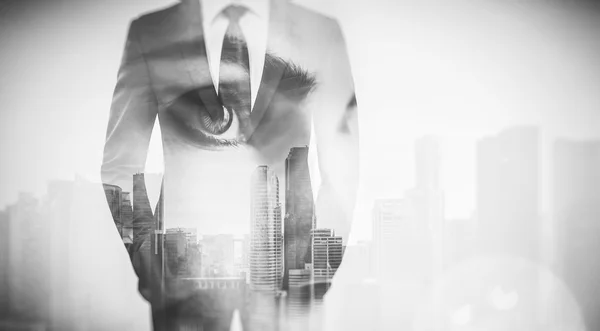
336,131
132,115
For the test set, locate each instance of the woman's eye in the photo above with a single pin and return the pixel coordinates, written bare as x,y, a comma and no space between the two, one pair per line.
203,122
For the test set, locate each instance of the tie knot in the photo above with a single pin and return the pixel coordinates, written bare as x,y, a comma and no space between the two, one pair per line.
234,12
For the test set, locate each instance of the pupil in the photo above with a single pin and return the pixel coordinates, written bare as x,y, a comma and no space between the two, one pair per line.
220,123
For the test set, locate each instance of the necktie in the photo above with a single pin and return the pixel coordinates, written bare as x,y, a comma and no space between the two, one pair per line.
234,72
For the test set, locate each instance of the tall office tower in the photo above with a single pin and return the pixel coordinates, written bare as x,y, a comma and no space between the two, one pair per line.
427,198
508,193
157,251
35,278
127,219
327,252
143,218
266,262
395,240
114,198
57,210
148,239
299,211
428,163
576,203
29,285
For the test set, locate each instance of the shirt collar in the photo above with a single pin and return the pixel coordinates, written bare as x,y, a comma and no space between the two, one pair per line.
212,8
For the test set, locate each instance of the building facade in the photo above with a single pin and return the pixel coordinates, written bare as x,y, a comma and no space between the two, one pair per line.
427,199
576,203
327,253
266,242
126,218
299,211
114,198
395,240
507,195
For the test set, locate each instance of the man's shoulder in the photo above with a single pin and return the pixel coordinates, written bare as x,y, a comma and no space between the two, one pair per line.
155,18
296,12
316,27
305,15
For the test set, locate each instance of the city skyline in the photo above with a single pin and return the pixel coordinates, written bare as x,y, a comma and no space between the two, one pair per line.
461,71
271,257
573,162
364,207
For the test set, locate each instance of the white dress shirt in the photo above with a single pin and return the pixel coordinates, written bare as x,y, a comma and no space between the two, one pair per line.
255,26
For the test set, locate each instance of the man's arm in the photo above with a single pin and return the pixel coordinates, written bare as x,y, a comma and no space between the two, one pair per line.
132,115
336,130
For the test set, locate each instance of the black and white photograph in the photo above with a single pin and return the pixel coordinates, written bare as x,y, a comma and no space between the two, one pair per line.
275,165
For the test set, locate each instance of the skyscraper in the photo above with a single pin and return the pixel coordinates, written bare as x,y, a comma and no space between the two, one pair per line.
299,211
576,203
266,256
114,198
148,240
35,273
427,163
143,218
29,259
127,218
427,199
56,210
394,239
326,249
508,192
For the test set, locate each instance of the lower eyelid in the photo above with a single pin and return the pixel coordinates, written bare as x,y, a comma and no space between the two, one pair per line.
187,131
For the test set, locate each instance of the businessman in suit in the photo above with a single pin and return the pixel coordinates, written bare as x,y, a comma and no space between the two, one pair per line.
234,85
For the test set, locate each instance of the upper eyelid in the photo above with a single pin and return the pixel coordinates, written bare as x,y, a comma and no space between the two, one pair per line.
295,77
291,71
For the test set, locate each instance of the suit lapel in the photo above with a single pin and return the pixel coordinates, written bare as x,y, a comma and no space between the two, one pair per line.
193,50
272,74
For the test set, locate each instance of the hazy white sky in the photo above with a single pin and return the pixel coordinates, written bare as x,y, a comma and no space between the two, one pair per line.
460,71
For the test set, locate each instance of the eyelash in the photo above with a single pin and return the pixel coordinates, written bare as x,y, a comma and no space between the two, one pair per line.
295,85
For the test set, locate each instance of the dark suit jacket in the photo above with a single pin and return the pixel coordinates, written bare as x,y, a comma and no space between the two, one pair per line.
165,60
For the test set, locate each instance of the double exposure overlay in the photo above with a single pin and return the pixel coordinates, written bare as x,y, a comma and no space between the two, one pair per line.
236,227
195,165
